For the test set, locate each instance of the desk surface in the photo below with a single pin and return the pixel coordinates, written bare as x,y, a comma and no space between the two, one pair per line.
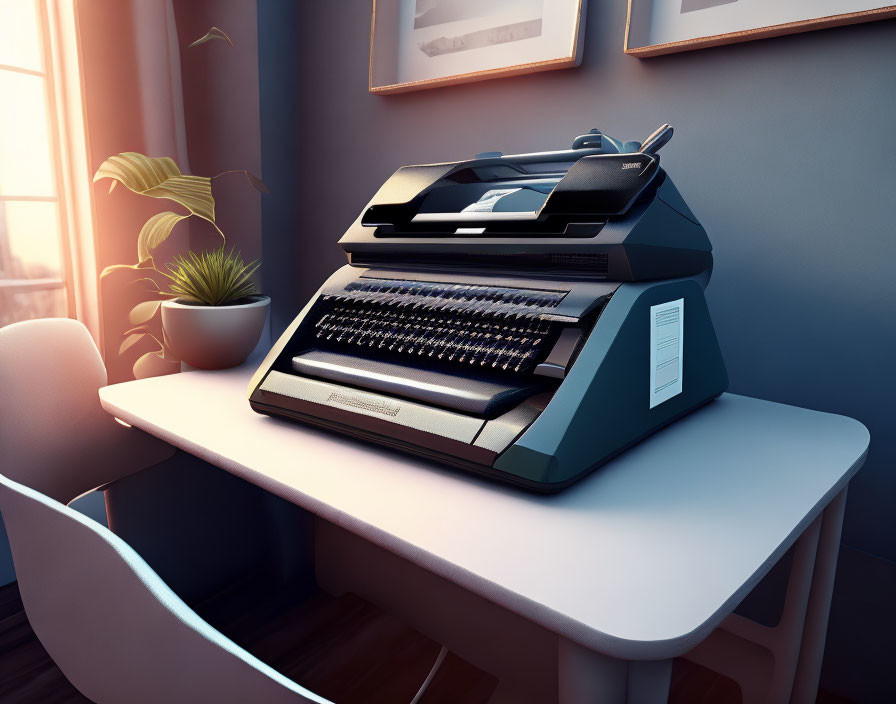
640,560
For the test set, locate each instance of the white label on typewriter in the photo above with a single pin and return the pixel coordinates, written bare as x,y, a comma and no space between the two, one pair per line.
666,350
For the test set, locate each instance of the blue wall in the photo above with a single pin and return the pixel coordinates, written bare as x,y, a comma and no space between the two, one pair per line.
783,148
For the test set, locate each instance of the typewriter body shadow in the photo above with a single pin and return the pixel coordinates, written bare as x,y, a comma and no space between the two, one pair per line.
525,317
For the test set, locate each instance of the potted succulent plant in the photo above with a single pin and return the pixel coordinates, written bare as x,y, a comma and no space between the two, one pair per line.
217,317
211,314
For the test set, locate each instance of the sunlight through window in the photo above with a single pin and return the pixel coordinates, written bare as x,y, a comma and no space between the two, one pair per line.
34,282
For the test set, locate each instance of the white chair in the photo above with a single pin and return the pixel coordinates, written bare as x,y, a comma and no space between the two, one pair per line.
116,631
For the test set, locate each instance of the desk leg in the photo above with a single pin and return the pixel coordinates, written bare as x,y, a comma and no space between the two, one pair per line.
648,681
588,677
782,663
805,685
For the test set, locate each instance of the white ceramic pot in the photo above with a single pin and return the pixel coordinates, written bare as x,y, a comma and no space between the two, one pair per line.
213,337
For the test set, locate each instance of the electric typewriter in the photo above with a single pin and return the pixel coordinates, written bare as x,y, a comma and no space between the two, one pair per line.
526,317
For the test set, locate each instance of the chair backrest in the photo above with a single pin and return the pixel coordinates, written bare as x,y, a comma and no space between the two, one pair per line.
55,436
113,627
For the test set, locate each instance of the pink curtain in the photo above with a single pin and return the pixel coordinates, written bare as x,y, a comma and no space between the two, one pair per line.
145,91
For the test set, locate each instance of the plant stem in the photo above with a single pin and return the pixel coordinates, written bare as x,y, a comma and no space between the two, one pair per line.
231,171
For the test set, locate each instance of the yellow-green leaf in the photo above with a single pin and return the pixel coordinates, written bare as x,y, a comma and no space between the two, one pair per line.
155,231
257,183
160,178
149,280
129,342
143,312
145,264
213,33
154,364
136,171
168,356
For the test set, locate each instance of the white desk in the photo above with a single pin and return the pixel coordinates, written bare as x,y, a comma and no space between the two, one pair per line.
636,564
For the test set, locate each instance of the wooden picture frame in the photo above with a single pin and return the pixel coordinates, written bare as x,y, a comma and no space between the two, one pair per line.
637,37
385,52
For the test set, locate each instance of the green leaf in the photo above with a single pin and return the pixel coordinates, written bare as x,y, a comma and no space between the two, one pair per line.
168,356
129,342
145,264
143,312
257,183
155,231
160,178
153,364
138,329
213,33
150,280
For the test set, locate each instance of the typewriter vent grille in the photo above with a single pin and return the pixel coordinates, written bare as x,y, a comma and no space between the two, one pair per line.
597,262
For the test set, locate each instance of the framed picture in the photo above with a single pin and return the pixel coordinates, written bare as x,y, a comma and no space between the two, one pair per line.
665,26
418,44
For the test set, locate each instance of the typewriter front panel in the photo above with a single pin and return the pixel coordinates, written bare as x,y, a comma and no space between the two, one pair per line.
454,367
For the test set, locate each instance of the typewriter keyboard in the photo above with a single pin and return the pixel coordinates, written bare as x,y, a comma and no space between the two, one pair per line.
480,327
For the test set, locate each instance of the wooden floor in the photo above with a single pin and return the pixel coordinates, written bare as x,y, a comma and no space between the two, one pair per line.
343,648
307,642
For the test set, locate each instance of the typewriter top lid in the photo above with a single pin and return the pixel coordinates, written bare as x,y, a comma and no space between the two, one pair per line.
598,178
600,209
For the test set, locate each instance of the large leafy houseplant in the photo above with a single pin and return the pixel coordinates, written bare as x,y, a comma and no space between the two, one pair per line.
161,178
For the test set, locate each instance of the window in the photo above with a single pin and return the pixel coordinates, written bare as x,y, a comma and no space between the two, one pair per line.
39,253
